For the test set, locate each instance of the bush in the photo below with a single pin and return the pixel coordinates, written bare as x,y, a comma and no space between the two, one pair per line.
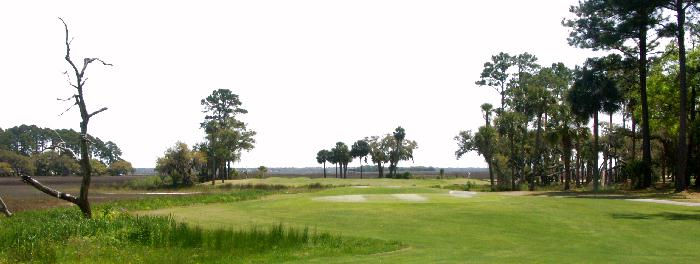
634,171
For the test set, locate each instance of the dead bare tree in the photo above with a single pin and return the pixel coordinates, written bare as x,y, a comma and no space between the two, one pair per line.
4,209
79,74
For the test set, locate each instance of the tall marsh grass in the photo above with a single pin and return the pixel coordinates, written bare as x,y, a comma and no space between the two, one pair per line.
49,237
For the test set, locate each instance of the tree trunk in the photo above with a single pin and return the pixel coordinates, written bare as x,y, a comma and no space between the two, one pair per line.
493,185
215,172
634,139
682,158
512,165
324,169
360,167
610,153
596,172
567,160
536,165
646,137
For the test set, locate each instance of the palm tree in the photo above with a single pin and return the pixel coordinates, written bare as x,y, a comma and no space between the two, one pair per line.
322,157
591,93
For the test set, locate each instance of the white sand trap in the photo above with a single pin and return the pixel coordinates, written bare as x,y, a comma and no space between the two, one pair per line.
665,202
410,197
462,194
360,186
343,198
393,186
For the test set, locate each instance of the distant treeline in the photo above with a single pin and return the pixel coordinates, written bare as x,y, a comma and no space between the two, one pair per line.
366,168
32,150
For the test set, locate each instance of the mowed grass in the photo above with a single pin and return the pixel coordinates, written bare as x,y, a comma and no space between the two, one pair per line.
488,228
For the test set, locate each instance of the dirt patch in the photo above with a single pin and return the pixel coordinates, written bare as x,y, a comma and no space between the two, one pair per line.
409,197
343,198
21,197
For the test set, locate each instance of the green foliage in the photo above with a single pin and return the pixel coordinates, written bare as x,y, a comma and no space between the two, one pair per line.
634,171
20,164
52,163
29,140
120,168
178,163
98,168
262,170
226,135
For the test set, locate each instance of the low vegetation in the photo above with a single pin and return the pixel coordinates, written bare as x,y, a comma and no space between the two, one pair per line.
113,236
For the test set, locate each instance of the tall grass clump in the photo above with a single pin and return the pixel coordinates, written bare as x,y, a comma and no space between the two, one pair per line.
49,236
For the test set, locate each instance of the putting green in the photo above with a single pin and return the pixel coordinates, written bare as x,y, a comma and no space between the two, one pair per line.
486,228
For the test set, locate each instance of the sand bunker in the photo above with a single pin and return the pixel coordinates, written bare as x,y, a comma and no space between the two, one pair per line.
360,186
665,202
343,198
462,194
409,197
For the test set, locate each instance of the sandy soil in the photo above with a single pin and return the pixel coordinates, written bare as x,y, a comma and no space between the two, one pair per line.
343,198
409,197
462,194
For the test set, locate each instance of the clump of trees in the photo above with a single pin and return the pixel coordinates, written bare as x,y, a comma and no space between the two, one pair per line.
32,150
540,134
391,148
226,139
181,164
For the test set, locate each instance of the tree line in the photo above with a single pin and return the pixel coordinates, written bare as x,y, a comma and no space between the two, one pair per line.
539,134
32,150
391,148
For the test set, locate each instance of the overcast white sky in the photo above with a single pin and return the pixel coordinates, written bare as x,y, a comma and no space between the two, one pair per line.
310,73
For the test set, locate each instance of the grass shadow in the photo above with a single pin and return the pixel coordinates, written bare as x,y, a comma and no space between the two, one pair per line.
663,215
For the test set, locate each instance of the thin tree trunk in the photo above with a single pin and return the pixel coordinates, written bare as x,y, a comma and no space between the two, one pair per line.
682,158
567,160
596,172
493,186
324,169
610,153
536,167
646,137
634,139
360,167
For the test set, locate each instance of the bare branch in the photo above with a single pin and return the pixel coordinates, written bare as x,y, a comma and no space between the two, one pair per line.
100,60
97,112
69,108
4,209
67,99
47,190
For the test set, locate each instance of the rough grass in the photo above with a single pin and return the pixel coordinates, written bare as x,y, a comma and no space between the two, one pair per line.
114,236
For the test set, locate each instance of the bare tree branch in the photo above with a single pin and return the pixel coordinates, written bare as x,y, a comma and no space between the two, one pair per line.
69,108
47,190
98,111
4,209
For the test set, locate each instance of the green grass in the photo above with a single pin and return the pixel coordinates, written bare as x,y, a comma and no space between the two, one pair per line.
115,236
489,228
